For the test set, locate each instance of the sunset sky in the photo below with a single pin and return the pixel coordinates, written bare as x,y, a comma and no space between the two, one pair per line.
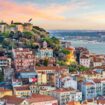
56,14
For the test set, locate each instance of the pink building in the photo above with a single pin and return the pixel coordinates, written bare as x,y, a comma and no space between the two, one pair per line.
23,58
38,99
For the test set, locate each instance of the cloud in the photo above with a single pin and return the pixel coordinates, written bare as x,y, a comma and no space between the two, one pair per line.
54,15
20,12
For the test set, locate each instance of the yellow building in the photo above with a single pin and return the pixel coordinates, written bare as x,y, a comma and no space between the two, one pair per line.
42,78
22,91
70,58
4,92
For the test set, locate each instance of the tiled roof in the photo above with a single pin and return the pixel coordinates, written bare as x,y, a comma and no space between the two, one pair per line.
13,100
73,103
4,90
22,88
64,90
50,68
39,98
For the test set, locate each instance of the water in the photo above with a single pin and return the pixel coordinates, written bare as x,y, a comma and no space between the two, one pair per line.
92,46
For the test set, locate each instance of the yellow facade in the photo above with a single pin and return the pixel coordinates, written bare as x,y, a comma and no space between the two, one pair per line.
5,92
42,78
70,58
21,93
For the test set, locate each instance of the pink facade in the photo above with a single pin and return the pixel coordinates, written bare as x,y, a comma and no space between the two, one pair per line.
23,58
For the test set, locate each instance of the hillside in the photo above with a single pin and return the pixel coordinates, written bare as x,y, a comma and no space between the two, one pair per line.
21,35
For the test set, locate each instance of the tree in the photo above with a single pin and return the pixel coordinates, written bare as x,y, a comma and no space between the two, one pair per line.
65,51
1,76
76,67
45,63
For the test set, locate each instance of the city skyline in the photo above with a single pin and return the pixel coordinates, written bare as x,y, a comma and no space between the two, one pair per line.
56,14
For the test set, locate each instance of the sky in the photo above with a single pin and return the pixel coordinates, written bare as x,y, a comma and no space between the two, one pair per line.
56,14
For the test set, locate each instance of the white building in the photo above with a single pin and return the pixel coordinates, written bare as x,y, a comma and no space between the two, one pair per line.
66,82
88,90
93,88
85,61
44,52
65,95
5,61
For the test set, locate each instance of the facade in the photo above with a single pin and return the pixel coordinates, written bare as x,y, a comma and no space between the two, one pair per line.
44,52
19,27
65,82
28,26
8,73
13,100
23,58
5,61
47,74
65,44
94,88
37,99
4,92
4,27
65,95
85,61
22,91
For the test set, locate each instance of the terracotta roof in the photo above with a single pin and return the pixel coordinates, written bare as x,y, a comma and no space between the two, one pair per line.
71,48
21,88
102,102
64,90
4,90
84,57
50,68
22,50
88,83
73,103
97,80
39,98
13,100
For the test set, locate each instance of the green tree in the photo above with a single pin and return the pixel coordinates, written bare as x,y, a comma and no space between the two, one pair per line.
65,51
1,76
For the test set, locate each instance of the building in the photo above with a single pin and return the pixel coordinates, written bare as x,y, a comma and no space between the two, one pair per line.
19,27
88,90
16,82
22,91
13,100
23,58
44,90
65,43
28,26
47,74
65,95
8,73
4,92
97,62
93,88
70,58
4,27
85,61
5,61
44,52
65,82
73,103
37,99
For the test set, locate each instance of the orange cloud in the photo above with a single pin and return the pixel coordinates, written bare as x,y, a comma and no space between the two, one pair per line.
52,16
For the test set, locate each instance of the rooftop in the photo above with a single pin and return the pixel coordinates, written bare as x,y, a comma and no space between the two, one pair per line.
40,98
13,100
